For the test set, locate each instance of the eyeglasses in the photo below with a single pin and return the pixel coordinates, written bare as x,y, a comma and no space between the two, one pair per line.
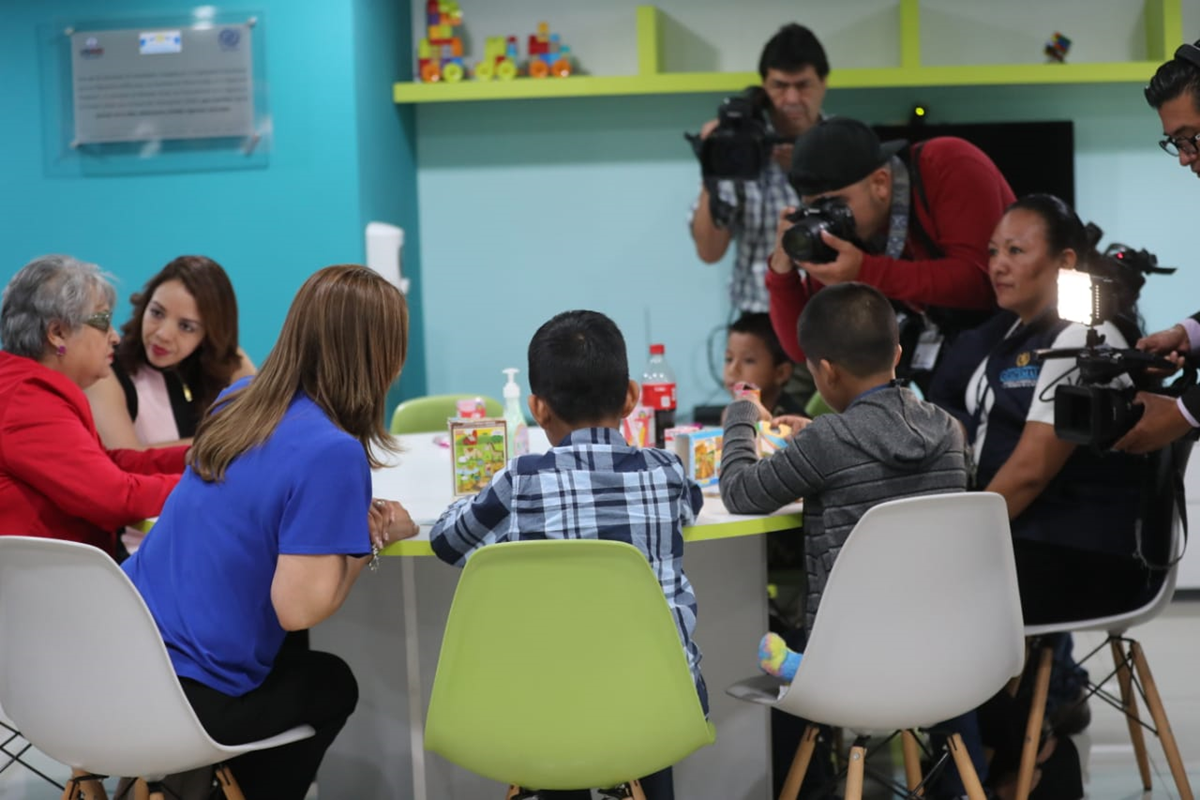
1188,145
101,321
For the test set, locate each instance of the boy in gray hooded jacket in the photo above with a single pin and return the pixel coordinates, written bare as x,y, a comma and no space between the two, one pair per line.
883,444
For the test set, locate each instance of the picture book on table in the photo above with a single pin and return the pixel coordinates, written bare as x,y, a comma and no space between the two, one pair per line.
477,449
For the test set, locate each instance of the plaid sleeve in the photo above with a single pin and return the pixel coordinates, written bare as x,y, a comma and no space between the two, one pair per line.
724,210
474,522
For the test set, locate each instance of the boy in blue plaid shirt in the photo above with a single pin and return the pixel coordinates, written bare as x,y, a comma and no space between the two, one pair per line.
591,484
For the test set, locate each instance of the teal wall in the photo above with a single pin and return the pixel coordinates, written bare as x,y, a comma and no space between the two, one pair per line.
336,160
527,208
556,204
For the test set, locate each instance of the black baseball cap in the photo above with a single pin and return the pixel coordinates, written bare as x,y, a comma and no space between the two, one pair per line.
835,153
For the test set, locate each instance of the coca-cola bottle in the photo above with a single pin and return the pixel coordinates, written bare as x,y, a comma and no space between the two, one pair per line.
658,392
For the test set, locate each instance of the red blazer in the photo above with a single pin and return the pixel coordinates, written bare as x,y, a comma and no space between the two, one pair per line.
56,478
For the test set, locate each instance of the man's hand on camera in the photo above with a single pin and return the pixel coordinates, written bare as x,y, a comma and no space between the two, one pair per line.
780,261
1174,339
782,153
708,128
1161,423
843,269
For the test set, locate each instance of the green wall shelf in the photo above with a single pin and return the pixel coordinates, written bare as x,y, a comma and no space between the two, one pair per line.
1164,32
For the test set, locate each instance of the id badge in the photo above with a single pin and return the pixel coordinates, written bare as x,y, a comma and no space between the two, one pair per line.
929,344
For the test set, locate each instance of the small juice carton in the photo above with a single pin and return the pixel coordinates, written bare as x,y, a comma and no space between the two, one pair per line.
747,390
477,452
638,427
700,451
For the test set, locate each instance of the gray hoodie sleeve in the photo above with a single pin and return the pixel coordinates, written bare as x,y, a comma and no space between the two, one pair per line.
753,486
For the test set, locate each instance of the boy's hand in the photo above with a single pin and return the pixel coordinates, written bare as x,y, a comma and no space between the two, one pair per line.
794,422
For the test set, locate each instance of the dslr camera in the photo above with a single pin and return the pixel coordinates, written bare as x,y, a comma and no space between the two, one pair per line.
739,148
1093,413
803,242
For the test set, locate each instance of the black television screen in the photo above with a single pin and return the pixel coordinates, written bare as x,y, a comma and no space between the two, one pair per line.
1033,156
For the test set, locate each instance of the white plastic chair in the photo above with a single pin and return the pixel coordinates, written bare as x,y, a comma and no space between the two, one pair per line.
1160,523
920,621
85,675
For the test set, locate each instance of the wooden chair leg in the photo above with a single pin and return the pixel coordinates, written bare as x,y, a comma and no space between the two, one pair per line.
71,791
966,768
1033,728
1159,715
912,759
635,790
140,790
512,792
795,776
1129,704
855,771
229,784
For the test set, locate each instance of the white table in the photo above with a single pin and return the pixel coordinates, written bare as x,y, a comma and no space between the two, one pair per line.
380,752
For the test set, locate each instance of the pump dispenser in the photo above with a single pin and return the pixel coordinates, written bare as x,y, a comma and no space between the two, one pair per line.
518,431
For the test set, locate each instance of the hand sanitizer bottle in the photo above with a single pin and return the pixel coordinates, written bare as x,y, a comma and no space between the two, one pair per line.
518,431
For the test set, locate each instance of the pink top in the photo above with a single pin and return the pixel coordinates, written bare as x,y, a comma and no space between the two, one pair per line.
155,424
155,421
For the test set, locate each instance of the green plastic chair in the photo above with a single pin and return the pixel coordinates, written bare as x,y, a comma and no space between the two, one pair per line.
561,668
429,414
817,406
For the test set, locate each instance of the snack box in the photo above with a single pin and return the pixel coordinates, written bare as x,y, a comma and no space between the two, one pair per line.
700,451
477,452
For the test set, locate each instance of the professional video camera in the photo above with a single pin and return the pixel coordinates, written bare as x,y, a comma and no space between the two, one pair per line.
802,241
1091,412
739,148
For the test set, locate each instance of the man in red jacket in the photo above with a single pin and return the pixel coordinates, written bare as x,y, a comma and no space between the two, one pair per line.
923,215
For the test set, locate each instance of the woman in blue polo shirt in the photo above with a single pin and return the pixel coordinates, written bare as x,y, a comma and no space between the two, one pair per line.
272,523
1073,511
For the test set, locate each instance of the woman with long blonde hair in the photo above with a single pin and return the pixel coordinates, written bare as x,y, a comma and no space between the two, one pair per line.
272,523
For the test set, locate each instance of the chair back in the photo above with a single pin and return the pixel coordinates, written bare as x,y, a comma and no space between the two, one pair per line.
561,668
1162,544
429,414
84,673
920,620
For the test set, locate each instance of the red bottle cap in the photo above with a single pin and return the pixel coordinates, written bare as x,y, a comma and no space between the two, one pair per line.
657,349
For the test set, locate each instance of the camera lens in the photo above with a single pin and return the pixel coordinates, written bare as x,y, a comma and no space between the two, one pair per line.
802,241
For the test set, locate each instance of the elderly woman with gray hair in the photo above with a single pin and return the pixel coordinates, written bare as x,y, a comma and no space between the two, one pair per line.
56,478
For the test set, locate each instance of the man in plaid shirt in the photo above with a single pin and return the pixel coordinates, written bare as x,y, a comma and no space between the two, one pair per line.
793,68
591,485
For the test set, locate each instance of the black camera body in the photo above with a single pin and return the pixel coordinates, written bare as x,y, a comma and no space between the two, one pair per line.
739,148
803,242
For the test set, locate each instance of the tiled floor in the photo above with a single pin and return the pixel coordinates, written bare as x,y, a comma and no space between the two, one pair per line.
1172,647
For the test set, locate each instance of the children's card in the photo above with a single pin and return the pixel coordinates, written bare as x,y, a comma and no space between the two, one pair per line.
477,449
772,440
638,427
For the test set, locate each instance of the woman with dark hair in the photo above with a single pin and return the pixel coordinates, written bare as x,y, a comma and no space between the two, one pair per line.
1074,513
56,478
272,523
178,350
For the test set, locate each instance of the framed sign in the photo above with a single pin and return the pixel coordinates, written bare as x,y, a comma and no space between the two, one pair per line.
155,95
135,85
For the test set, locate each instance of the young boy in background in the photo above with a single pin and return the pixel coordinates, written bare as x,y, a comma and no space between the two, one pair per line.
754,355
591,484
